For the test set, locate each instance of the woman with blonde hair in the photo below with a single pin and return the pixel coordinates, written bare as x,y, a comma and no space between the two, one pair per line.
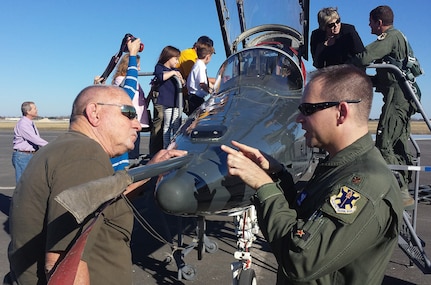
333,42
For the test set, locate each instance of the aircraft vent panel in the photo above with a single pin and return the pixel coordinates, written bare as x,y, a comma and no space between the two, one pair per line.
208,132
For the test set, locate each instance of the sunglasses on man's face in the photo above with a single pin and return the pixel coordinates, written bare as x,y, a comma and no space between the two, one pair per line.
332,25
127,111
308,109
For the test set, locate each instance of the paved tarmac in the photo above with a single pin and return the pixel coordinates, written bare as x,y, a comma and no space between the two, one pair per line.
151,256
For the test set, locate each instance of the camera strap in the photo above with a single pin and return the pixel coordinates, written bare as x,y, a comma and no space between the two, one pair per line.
114,59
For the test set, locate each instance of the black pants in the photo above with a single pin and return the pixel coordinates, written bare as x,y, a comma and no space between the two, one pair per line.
194,103
156,136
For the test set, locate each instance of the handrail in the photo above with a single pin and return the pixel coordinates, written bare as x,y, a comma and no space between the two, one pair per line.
410,243
402,80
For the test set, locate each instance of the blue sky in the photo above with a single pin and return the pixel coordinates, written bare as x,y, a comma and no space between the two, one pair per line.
52,49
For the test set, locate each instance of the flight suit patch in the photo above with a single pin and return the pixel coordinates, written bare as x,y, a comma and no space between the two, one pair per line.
302,234
356,180
344,202
382,37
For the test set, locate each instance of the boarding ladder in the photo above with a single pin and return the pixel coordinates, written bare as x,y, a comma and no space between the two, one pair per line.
408,240
202,242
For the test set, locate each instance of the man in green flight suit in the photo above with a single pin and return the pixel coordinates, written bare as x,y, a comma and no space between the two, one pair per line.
393,130
342,227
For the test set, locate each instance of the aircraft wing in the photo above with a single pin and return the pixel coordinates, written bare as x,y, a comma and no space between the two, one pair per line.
84,199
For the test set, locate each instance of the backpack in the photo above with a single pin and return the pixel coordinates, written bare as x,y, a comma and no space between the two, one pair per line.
154,91
409,65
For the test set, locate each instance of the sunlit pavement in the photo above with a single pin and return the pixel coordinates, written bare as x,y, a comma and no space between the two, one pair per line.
153,259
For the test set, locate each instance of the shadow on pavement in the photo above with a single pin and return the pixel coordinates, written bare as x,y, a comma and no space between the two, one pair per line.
4,208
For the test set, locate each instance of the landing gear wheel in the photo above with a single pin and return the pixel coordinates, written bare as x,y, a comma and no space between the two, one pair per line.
211,247
247,277
188,272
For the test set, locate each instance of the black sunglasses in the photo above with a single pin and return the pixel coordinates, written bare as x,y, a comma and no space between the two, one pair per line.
308,109
332,25
127,111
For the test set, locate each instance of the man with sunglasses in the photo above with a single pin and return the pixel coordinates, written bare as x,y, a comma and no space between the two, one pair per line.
342,225
103,124
333,42
393,130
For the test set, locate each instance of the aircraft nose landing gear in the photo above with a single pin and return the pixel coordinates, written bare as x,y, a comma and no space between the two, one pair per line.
247,277
246,230
241,272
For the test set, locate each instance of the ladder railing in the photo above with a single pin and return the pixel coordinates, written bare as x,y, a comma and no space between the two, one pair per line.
179,88
408,239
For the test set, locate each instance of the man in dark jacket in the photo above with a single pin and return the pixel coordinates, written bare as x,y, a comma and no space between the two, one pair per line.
333,42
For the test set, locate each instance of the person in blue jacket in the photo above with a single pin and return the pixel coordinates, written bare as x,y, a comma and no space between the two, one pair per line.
164,73
122,162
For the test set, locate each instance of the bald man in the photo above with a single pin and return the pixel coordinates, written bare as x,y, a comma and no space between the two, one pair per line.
103,124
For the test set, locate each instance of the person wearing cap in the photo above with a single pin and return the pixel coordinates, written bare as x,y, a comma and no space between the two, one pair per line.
26,139
189,56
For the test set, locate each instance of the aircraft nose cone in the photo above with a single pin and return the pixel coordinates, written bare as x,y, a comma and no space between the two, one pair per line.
193,191
174,193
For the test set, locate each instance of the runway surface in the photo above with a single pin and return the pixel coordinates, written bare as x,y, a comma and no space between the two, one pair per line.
150,255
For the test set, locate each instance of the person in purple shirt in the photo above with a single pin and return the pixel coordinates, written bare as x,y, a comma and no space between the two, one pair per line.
26,139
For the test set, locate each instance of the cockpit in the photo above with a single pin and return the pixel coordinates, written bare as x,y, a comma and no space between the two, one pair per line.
264,67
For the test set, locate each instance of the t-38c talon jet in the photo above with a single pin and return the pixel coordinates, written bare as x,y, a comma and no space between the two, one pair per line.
257,92
255,102
258,89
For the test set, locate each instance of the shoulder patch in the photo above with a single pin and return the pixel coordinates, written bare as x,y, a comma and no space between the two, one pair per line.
382,37
344,202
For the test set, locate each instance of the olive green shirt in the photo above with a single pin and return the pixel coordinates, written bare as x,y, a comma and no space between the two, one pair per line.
39,224
391,43
342,228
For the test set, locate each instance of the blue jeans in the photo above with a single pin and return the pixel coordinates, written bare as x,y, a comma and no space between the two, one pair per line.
19,162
